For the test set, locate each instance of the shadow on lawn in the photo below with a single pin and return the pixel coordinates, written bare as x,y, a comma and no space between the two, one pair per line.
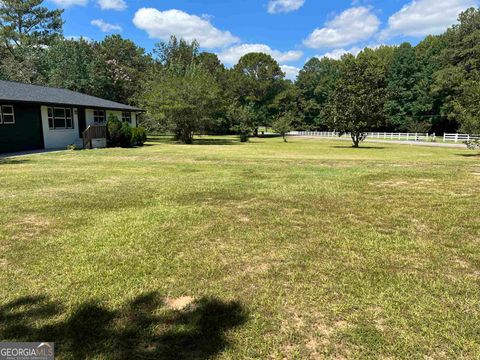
196,141
200,141
469,155
360,147
10,161
144,328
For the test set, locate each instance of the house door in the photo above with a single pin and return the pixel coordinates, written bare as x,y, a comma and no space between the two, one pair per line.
82,122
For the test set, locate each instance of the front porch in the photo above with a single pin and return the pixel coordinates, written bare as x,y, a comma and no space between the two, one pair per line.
95,137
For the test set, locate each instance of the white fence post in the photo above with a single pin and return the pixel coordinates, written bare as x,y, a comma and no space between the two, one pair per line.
456,138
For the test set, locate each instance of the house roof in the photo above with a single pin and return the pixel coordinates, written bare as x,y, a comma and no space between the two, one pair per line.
20,92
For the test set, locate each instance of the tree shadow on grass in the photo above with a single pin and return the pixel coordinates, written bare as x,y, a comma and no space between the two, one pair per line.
196,141
469,155
144,328
360,147
11,161
199,141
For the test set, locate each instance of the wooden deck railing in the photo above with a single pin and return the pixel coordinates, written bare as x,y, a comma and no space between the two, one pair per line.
93,132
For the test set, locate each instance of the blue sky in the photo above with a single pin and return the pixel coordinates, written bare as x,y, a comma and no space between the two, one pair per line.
292,31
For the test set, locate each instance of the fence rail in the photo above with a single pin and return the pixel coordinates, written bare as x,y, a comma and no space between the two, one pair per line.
426,137
371,135
460,137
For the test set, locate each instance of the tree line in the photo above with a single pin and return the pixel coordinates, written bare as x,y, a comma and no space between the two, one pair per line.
431,87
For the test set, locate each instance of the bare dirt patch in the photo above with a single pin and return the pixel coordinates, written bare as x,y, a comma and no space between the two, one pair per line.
257,268
244,218
180,303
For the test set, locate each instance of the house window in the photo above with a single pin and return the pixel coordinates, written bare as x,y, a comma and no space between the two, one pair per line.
99,116
60,118
7,115
127,116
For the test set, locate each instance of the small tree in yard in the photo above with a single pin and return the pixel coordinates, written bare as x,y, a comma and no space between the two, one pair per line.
356,106
182,103
283,124
242,117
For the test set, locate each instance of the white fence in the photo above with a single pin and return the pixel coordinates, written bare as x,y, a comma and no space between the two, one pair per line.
370,135
457,138
460,137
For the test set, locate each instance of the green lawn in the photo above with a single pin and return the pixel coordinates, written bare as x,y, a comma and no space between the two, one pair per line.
309,249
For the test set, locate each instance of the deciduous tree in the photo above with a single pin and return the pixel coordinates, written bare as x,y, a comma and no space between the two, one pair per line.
182,103
457,81
357,103
283,124
256,80
317,81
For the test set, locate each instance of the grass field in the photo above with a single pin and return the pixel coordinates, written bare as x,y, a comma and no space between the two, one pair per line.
309,249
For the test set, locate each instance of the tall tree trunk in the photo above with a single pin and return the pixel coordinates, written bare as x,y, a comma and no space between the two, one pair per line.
356,139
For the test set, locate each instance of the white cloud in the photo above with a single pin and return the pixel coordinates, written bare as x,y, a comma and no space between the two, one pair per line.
69,3
104,26
161,24
352,25
118,5
284,6
424,17
231,55
338,53
78,38
291,72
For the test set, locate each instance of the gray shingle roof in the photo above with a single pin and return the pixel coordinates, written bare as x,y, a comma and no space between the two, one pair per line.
14,91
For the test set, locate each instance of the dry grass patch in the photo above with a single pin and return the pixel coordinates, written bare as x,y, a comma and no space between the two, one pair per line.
30,226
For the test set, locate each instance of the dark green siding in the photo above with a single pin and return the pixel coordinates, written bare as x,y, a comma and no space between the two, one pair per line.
26,133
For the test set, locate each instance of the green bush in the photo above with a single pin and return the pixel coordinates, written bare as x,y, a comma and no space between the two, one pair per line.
244,137
126,135
114,127
119,134
123,135
139,136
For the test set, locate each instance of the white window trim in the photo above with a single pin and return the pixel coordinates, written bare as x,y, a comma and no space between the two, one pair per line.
127,118
64,118
104,117
9,113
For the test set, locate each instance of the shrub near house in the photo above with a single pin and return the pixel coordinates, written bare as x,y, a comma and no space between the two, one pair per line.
121,134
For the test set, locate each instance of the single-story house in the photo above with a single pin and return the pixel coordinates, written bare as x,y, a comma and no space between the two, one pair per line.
39,117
